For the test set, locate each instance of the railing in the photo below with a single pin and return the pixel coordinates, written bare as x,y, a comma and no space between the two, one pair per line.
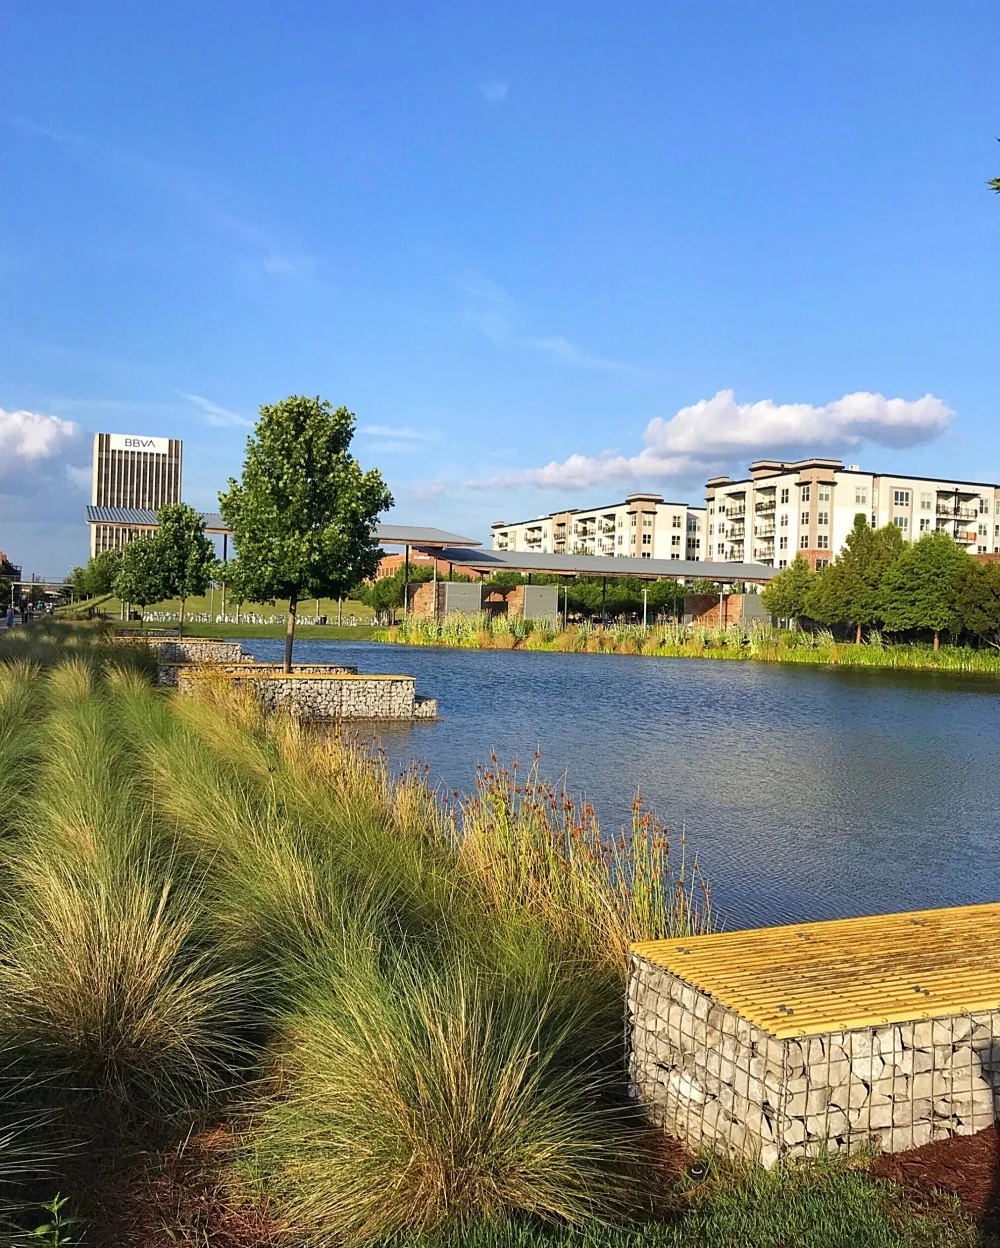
764,530
767,504
735,511
957,511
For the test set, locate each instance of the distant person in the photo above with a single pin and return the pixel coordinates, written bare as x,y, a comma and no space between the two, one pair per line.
10,616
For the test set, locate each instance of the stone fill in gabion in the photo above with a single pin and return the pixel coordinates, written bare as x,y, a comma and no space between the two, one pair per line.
713,1079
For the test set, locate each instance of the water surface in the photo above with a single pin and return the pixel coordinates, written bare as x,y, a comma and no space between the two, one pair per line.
808,792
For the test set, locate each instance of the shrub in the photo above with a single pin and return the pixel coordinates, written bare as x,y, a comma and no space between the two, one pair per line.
421,1098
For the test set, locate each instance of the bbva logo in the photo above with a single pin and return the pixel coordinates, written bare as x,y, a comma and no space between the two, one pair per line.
138,443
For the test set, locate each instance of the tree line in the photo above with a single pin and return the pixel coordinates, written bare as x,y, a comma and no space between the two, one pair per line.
879,580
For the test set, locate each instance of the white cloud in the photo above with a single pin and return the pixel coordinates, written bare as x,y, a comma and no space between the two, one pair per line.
221,417
720,425
31,442
494,91
718,431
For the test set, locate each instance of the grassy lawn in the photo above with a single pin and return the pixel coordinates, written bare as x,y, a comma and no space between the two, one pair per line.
212,606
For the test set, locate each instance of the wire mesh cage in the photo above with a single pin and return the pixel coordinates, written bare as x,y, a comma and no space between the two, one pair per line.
713,1079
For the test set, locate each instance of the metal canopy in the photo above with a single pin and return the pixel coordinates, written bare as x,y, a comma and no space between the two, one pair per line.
608,565
387,534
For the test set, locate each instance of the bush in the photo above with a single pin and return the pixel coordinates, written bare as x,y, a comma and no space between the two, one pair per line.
417,1098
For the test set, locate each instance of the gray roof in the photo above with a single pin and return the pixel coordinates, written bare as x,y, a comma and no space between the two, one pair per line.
390,534
607,565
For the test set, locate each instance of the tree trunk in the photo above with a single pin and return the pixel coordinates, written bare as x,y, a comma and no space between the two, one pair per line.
180,621
340,612
857,636
293,606
937,640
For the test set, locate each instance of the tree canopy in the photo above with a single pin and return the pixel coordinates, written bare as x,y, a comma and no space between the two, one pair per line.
139,577
921,588
849,591
303,513
787,594
978,600
187,556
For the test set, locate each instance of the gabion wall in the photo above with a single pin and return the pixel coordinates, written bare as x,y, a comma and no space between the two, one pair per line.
712,1079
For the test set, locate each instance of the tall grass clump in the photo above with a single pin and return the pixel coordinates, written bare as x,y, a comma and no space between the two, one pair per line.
416,1097
108,988
22,699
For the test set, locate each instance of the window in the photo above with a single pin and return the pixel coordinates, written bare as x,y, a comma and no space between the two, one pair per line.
711,530
782,563
901,522
823,517
823,493
675,556
822,563
633,522
804,541
982,530
861,495
647,522
805,493
676,522
647,554
901,498
804,519
984,507
784,496
982,550
925,524
926,502
822,541
675,539
874,521
783,542
711,511
647,539
783,522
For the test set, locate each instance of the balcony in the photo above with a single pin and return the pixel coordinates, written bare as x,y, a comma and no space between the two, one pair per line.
765,506
764,530
957,511
737,510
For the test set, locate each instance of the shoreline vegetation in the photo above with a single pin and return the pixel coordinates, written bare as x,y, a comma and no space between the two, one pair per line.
758,642
255,989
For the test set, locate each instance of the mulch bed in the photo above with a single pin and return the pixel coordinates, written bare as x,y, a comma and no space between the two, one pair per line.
968,1166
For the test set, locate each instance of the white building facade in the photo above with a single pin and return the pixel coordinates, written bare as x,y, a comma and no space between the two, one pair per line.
132,470
644,526
808,507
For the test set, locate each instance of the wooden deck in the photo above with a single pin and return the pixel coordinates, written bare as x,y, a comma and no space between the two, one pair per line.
809,978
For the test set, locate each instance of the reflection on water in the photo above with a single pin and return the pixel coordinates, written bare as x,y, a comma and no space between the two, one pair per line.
808,792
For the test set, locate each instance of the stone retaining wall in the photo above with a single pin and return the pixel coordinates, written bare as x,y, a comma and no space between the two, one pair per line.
191,649
713,1079
172,674
331,696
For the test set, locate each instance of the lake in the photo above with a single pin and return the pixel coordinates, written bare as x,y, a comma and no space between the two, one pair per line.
808,793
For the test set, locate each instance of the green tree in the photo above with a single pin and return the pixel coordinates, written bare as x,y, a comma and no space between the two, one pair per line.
140,575
303,514
787,594
849,590
100,572
188,556
978,600
921,588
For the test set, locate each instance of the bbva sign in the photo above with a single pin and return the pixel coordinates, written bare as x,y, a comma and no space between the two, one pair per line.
134,442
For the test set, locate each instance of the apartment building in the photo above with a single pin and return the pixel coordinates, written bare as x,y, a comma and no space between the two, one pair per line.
808,507
134,471
644,526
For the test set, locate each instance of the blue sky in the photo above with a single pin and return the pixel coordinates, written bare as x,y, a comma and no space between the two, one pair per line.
528,244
